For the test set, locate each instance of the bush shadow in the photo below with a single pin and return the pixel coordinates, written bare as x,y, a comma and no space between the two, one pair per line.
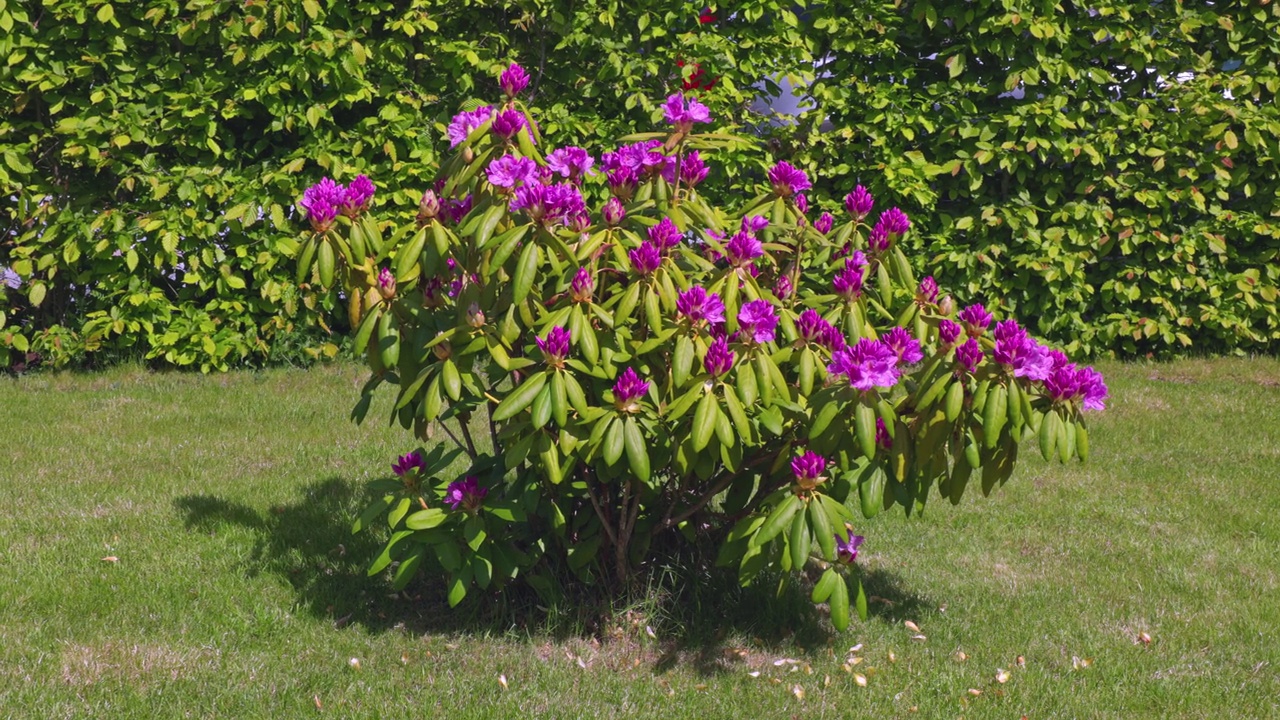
701,609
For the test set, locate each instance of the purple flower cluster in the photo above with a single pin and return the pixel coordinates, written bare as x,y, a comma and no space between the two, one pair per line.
683,112
847,282
326,199
975,319
948,333
465,494
513,80
645,259
743,248
582,285
628,390
906,347
808,468
859,203
787,179
508,122
868,364
757,321
969,355
560,203
1067,382
409,462
813,329
625,168
878,240
782,287
1018,351
692,170
719,358
665,235
895,222
555,347
927,293
824,223
571,162
464,123
700,306
511,172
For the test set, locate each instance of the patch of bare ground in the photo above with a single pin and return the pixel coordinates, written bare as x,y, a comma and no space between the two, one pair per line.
135,664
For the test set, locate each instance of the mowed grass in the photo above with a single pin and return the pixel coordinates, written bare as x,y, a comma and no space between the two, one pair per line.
237,590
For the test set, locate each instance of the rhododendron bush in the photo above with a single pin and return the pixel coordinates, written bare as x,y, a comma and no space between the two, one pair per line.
614,359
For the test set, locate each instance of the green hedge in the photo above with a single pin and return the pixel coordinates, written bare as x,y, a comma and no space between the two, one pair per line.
1108,169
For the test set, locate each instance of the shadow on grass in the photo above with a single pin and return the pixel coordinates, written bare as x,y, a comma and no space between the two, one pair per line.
309,543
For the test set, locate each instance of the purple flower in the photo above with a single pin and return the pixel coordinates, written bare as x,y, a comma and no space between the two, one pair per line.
782,287
1068,383
802,203
465,122
356,196
859,203
409,462
555,347
465,494
511,172
904,346
832,339
895,222
1018,351
645,259
665,235
322,202
758,321
824,222
719,358
386,283
508,122
613,211
698,305
571,162
878,239
742,248
10,278
927,293
787,179
975,319
883,439
683,113
754,223
847,550
810,325
692,170
1094,389
628,390
549,204
808,468
458,209
948,333
847,282
867,365
582,285
969,355
428,206
513,80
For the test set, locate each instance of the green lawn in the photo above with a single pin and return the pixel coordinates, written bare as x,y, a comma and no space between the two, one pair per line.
238,592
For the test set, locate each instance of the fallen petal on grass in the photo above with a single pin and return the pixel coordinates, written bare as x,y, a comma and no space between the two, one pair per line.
860,679
911,626
1002,676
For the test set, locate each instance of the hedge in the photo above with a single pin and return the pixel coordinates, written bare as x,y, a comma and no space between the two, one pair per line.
1107,169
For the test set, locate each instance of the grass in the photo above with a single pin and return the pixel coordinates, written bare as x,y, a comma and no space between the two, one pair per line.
238,592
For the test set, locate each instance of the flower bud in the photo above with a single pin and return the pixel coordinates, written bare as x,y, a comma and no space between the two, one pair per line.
428,206
442,350
946,306
475,316
386,284
614,212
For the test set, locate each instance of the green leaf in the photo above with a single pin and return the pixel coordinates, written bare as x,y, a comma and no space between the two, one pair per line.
704,421
839,604
426,519
614,442
825,585
520,398
637,455
526,269
105,13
